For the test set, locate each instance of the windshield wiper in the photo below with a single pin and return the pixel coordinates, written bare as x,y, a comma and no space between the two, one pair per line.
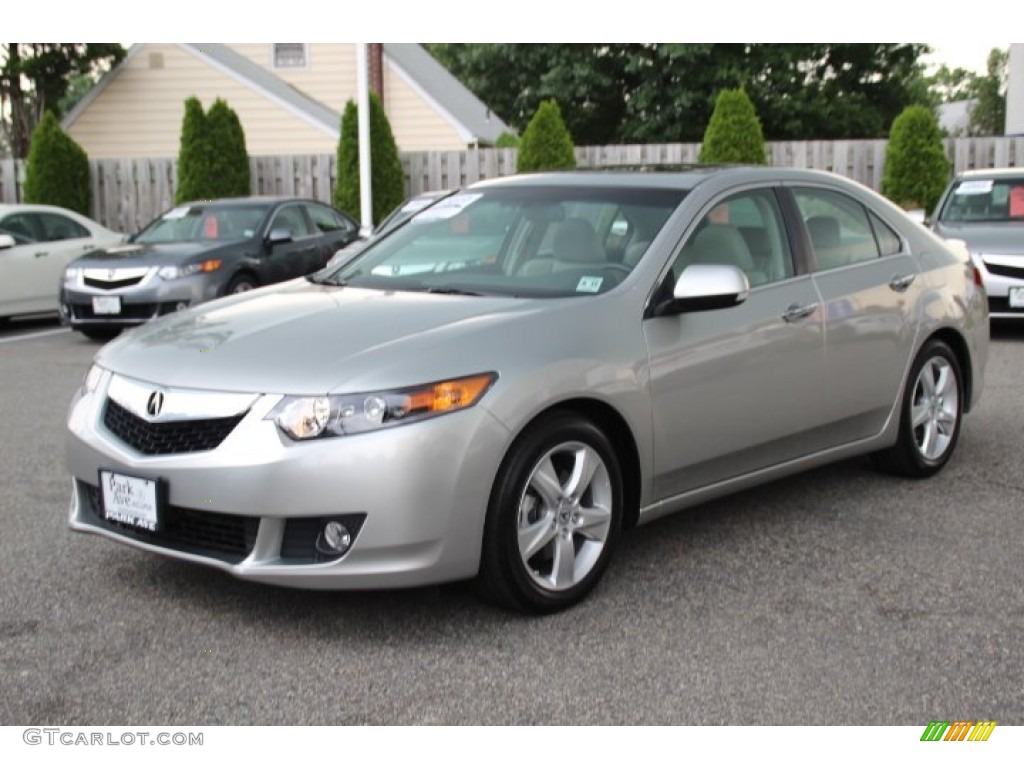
452,291
326,281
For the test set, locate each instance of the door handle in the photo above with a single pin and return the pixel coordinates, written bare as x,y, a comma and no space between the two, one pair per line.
40,254
796,312
900,283
88,247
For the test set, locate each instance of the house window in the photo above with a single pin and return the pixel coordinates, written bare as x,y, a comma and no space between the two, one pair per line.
289,55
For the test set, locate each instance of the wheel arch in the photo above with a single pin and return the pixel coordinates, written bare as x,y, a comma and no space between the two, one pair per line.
242,272
618,432
958,344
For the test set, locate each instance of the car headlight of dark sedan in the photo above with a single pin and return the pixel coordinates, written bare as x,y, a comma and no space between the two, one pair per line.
176,271
308,417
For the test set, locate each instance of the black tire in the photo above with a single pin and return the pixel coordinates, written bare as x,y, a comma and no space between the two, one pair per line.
240,284
579,530
100,334
922,450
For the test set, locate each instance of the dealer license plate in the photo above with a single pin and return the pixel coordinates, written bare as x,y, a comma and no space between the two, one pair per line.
1017,298
129,500
106,305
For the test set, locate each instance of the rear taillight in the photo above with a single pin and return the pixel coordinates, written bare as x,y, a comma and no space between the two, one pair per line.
977,276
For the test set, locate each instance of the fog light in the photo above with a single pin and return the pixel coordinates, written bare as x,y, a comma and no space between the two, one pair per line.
334,540
180,306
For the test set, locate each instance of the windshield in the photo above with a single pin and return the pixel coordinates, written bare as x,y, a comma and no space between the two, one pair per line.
988,200
525,241
198,223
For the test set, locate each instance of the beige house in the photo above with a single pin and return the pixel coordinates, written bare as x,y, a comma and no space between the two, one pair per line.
288,96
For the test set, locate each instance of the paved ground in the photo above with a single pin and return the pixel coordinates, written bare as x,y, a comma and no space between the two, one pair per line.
837,597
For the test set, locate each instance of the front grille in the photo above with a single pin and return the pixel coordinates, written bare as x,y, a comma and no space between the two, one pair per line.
300,534
211,534
110,285
1001,304
156,439
1005,271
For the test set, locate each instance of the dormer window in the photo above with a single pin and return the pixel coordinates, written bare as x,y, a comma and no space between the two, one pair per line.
289,55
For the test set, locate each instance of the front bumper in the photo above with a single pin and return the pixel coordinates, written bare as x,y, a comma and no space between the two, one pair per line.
148,298
1001,274
416,497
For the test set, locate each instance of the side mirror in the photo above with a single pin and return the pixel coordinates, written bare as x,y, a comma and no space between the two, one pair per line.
707,286
6,241
279,235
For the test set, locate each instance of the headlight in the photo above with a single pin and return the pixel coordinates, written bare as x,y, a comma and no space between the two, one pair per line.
175,271
71,274
92,378
302,418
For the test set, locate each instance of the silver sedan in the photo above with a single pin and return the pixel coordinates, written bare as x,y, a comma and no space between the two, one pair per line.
501,387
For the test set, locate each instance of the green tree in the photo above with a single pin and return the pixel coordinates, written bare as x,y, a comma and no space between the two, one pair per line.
58,169
734,133
546,144
916,166
507,140
615,93
194,156
228,174
988,117
35,77
387,179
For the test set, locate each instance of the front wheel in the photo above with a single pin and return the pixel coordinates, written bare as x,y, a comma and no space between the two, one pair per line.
932,411
554,516
240,284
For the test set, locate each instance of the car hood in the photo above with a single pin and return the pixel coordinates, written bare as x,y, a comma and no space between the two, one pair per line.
155,255
985,238
302,338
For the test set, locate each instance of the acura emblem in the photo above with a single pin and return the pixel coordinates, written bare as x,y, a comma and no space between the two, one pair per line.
155,403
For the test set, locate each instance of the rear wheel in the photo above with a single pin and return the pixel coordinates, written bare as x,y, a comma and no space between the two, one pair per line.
553,517
932,412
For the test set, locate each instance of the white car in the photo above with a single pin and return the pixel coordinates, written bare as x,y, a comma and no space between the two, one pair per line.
36,244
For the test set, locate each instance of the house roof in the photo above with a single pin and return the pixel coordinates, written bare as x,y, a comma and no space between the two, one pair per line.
471,117
441,86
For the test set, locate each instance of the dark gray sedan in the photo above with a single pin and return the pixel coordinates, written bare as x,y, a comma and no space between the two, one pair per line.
503,385
196,252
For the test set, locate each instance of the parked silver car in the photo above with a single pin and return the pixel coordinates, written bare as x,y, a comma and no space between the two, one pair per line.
503,385
985,209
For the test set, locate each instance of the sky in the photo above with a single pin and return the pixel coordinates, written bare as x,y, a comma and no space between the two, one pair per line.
971,56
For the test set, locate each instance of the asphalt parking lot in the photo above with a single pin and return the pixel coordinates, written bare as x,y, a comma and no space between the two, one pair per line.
837,597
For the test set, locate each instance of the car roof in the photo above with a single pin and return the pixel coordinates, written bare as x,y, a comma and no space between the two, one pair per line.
661,177
235,202
991,173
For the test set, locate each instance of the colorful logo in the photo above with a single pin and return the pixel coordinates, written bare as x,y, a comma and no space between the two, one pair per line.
959,730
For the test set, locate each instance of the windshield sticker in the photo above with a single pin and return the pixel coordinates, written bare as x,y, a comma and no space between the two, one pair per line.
446,208
177,213
589,284
976,187
416,205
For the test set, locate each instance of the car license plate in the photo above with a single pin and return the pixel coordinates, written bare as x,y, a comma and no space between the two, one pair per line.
130,500
106,305
1017,298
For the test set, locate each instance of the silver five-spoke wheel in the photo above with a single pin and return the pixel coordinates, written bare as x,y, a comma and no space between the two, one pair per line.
564,516
935,412
554,515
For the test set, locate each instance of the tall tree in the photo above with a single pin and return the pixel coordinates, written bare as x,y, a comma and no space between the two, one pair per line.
666,91
35,77
58,169
733,134
387,179
546,144
988,117
916,166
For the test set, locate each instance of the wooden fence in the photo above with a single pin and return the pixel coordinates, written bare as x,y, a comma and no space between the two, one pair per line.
128,193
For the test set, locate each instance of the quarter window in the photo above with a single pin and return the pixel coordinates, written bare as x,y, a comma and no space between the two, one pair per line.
326,220
838,228
888,241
